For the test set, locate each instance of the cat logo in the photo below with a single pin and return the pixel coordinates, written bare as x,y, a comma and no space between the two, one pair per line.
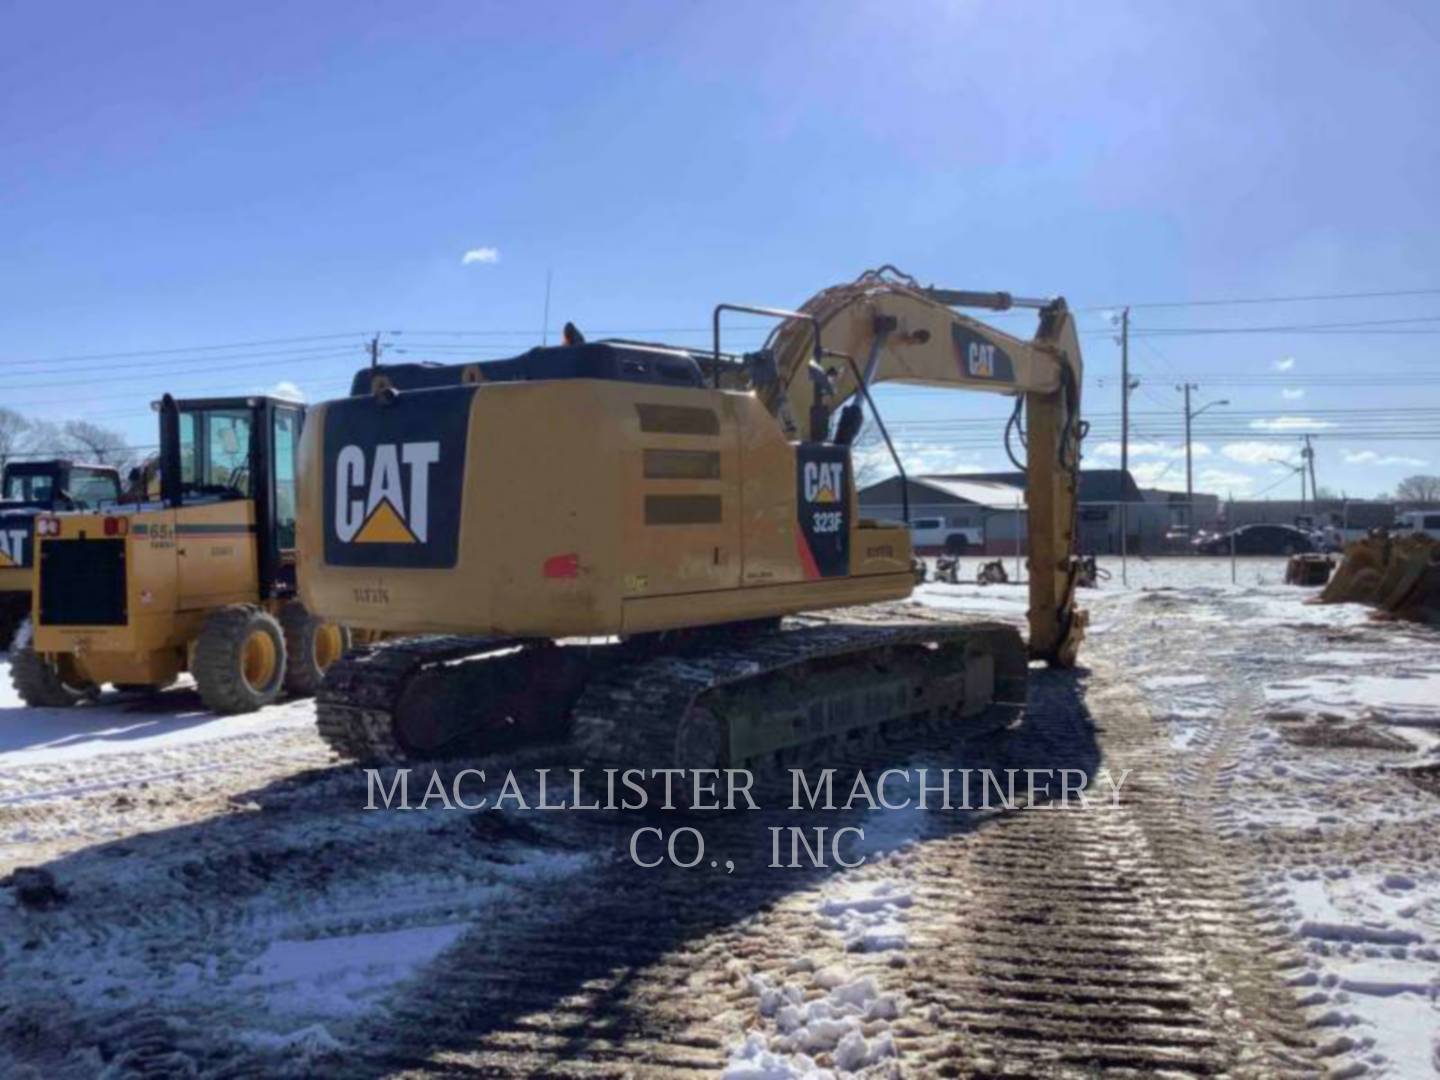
981,360
12,547
824,481
978,358
385,500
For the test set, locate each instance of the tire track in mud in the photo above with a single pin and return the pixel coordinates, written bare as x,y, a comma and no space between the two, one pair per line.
1119,940
1040,943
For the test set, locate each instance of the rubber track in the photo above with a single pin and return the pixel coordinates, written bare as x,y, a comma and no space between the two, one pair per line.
354,705
629,716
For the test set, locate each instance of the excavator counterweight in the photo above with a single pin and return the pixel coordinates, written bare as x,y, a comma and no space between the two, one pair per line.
691,516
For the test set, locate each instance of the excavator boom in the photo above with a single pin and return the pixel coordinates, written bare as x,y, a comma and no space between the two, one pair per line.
886,327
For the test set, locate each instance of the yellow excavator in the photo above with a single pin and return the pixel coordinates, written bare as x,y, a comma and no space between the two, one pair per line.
659,550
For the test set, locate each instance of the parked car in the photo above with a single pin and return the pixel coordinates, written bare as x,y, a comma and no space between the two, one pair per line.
931,535
1259,540
1418,522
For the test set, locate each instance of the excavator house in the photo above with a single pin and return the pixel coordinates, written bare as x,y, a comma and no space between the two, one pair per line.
658,550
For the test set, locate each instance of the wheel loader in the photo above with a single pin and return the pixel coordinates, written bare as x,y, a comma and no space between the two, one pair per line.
27,489
198,576
659,550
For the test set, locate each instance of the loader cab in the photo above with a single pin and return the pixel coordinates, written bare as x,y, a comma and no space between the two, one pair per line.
232,449
58,484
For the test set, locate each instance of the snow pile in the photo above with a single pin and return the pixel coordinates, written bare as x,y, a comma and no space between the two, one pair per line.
828,1021
849,1024
868,916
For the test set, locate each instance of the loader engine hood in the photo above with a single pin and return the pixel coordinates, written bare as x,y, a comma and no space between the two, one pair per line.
394,478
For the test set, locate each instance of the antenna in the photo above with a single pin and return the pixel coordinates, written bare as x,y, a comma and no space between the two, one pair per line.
545,323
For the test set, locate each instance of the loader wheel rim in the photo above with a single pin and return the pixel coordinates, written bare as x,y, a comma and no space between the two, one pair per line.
258,660
329,644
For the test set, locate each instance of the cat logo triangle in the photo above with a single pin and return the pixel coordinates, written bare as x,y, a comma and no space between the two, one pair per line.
6,562
826,494
384,526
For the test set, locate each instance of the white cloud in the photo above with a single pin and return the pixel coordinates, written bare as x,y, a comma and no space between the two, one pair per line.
1258,453
1291,423
1370,457
287,390
1224,482
1292,393
1146,449
873,462
1150,473
488,255
1286,364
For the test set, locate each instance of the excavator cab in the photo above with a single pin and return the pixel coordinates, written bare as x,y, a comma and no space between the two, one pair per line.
198,576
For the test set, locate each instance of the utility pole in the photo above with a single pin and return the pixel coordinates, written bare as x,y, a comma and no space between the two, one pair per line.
1189,471
373,348
1125,391
1124,421
1310,460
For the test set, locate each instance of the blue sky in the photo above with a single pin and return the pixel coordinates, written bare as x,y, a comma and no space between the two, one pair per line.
177,175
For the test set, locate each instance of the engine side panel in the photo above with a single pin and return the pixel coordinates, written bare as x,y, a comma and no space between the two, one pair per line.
584,507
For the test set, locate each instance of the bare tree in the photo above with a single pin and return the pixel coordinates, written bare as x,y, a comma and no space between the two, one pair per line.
869,459
13,429
95,443
1418,489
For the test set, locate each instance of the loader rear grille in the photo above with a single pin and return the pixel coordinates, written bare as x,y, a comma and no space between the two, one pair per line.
82,583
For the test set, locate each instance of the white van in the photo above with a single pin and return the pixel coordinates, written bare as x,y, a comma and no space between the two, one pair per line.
932,535
1426,522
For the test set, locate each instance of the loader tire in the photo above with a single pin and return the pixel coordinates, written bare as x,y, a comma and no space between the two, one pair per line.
13,612
239,662
311,646
42,683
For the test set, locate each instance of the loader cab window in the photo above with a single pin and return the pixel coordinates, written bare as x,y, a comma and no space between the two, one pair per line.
30,487
286,427
90,487
215,452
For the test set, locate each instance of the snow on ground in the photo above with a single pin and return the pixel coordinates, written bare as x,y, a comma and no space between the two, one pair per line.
1314,713
125,724
219,874
831,1013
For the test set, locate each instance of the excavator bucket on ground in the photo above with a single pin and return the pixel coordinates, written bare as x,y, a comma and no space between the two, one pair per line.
1399,576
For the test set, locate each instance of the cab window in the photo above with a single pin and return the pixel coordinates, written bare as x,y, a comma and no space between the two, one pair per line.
287,431
29,487
215,451
90,487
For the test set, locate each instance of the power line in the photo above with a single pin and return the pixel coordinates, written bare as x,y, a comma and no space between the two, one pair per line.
1235,301
174,352
324,352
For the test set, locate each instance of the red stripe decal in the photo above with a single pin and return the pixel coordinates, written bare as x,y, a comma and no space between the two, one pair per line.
807,557
562,566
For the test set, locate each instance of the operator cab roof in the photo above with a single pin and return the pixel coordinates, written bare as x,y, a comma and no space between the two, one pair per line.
619,361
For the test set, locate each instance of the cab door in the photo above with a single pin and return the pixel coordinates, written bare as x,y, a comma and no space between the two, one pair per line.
215,531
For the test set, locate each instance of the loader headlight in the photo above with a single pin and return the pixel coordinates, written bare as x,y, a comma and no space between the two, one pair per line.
47,526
